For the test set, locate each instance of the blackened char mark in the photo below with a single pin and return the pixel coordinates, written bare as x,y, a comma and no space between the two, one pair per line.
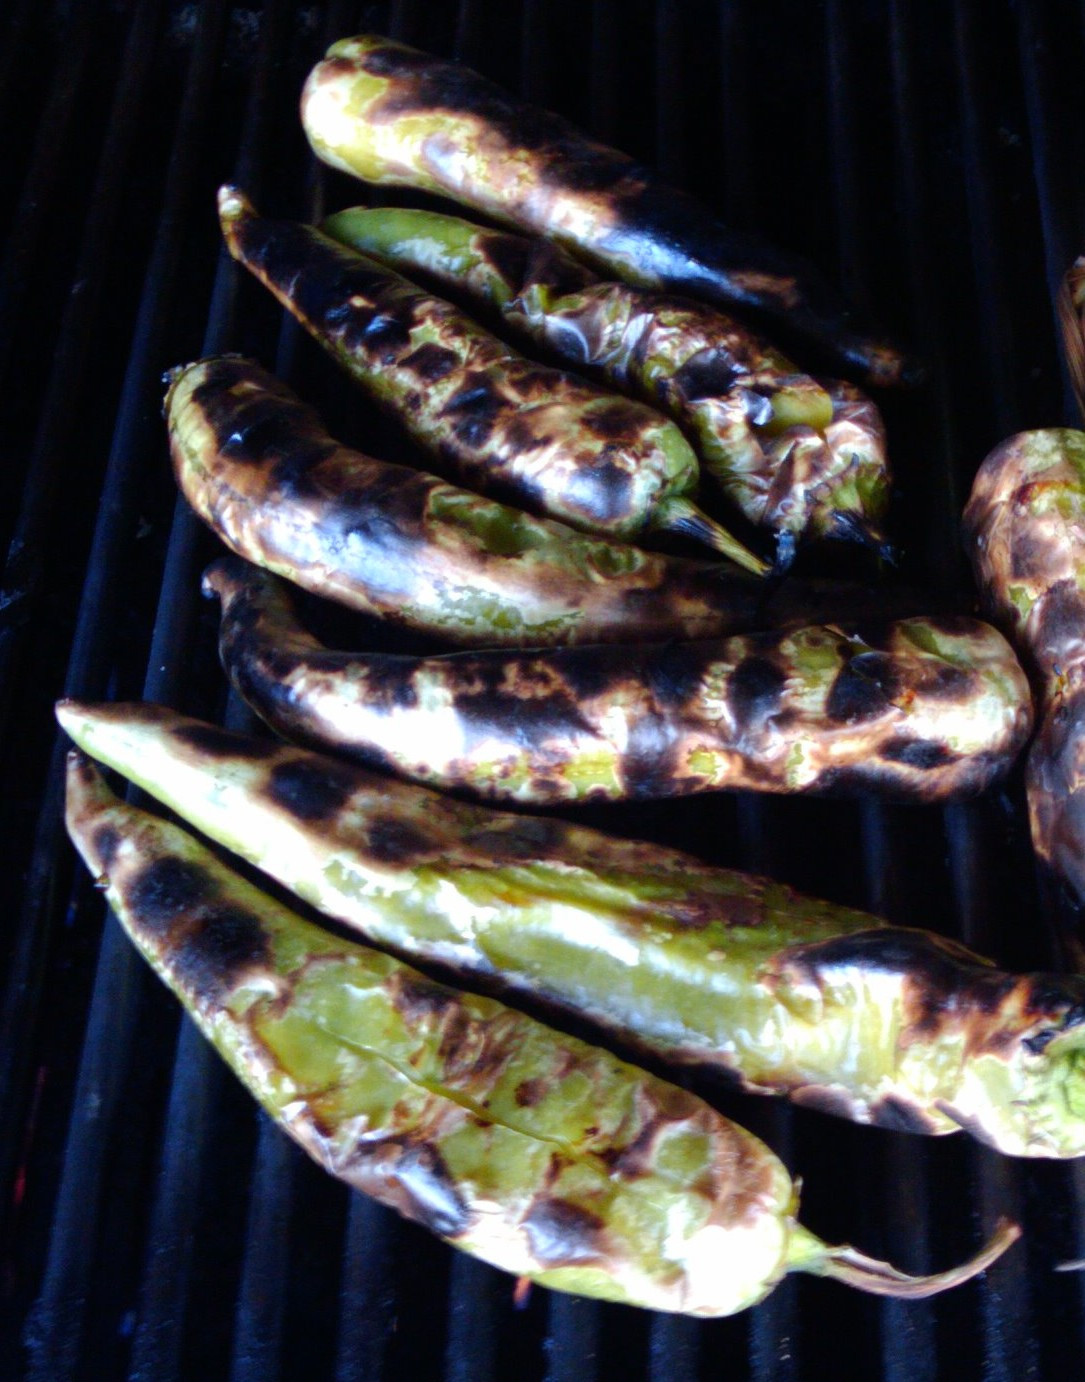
754,692
710,373
517,839
474,409
563,1234
865,688
168,890
393,841
922,753
210,957
107,841
601,491
389,683
431,362
649,766
311,790
214,742
265,425
619,421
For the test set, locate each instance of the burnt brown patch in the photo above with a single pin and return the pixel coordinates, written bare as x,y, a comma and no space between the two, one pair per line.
211,956
864,688
392,841
945,682
167,890
924,754
431,362
710,373
433,1196
619,421
309,789
107,840
474,409
898,1115
528,1093
754,691
602,491
527,837
562,1234
223,743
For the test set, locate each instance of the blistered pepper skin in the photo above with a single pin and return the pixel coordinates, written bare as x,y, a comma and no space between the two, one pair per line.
394,116
696,965
1025,529
534,436
534,1151
920,709
798,457
257,465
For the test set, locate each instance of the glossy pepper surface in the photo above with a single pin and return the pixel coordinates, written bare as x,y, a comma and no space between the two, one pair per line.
799,457
260,469
392,115
697,965
920,709
1025,529
531,1150
539,437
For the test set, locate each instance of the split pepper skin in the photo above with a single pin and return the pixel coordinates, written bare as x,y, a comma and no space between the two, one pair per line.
918,710
397,117
528,434
260,469
1025,530
801,458
526,1148
693,964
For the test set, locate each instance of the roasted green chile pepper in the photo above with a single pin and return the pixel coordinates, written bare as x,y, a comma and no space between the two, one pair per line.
529,1149
920,709
259,468
795,456
394,116
1025,528
694,964
538,437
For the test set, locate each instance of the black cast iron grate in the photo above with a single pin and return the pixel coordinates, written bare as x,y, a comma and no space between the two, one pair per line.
154,1225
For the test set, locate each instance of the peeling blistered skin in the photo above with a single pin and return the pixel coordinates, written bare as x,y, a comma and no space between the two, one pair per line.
531,1150
259,468
697,965
921,709
797,457
257,465
1025,526
392,115
528,434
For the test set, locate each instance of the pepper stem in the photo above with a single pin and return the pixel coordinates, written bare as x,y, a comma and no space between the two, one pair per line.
807,1253
682,516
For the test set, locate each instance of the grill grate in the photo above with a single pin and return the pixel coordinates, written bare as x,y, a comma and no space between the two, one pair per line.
155,1226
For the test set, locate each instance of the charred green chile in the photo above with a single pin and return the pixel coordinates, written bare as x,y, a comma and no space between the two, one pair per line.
537,437
1025,529
795,456
529,1149
698,965
920,709
259,468
394,116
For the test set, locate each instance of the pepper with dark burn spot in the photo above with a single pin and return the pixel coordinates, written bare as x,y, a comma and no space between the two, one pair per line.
920,709
801,458
535,436
605,1181
1025,528
394,116
697,965
259,468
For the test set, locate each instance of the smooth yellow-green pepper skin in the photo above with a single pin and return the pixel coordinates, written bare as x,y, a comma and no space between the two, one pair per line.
529,1149
695,964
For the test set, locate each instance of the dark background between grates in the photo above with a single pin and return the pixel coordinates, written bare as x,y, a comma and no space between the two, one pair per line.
154,1225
